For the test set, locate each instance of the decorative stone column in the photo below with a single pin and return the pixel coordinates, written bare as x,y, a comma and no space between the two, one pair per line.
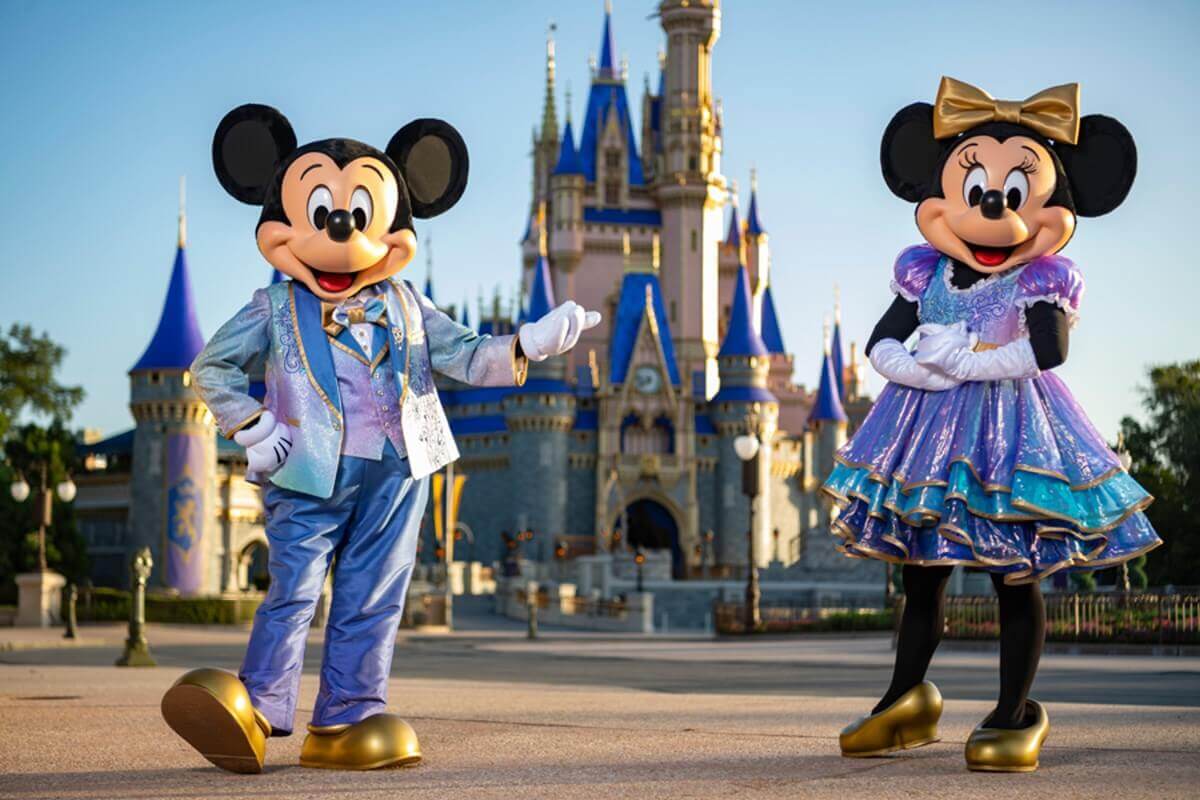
39,603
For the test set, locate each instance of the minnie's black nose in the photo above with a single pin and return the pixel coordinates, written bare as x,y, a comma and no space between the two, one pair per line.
340,225
991,205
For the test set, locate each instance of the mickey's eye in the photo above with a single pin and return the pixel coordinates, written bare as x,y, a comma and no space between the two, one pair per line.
320,203
1016,189
975,185
361,208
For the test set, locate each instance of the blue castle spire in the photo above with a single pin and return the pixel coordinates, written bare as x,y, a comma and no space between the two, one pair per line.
568,157
828,405
734,235
742,338
607,96
466,313
835,355
177,339
753,225
607,62
771,335
541,294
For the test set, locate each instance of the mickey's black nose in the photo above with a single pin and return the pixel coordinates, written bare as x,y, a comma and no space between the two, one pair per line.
340,225
991,205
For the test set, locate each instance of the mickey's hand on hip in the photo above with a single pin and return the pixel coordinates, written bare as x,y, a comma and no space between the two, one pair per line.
267,442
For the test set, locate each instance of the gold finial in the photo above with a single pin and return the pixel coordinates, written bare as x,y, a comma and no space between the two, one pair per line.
182,210
825,334
662,59
607,6
837,303
624,66
594,366
541,221
592,66
654,252
568,100
733,194
625,249
753,180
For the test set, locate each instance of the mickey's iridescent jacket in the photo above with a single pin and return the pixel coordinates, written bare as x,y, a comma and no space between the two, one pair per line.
282,325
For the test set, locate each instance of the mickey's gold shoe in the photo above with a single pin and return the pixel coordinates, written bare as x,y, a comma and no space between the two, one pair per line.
1004,750
909,722
383,740
211,710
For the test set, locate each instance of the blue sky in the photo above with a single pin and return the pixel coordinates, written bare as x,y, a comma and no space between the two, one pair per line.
108,103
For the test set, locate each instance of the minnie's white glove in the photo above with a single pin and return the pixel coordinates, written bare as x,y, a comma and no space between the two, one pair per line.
1012,361
557,332
267,443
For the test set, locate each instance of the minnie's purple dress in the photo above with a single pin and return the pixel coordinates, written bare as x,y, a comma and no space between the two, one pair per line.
1007,475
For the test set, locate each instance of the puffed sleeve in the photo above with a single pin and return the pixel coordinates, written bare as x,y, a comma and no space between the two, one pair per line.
1052,279
914,269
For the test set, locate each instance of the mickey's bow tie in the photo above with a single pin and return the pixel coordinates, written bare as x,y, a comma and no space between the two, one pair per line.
336,318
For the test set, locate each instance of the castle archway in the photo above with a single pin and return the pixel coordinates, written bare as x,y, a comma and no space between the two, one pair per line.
652,526
252,567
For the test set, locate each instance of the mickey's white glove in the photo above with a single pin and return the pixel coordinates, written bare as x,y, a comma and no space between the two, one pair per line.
557,332
267,443
894,362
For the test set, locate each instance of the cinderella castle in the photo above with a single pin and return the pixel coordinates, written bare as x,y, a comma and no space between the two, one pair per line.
626,443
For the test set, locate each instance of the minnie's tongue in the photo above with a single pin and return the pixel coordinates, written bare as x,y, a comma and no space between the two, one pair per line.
990,256
334,282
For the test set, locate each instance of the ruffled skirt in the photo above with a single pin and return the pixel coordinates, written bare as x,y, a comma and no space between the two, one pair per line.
1007,475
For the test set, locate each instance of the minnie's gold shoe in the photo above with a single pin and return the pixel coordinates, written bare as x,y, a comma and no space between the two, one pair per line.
211,710
383,740
1004,750
909,722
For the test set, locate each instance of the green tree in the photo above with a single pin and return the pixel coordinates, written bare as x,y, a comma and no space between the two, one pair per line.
28,363
1165,449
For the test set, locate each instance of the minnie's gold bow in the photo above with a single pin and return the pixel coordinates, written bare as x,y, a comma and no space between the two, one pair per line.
1053,112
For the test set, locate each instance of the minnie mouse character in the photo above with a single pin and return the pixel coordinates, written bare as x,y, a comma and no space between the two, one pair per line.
975,453
349,431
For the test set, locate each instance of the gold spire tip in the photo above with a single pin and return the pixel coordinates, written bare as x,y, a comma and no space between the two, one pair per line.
182,210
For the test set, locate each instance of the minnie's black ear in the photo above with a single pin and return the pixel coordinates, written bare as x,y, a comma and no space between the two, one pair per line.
433,159
909,154
1101,167
248,147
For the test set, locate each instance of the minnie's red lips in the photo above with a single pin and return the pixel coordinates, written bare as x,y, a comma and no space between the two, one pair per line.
333,282
990,256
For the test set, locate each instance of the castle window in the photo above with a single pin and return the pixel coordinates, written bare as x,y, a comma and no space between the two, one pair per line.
612,159
695,240
612,192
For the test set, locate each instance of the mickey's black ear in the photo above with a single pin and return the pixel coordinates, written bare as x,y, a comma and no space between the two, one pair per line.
248,147
909,153
1101,167
433,159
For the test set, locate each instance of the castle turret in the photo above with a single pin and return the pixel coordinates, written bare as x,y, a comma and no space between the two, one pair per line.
744,404
539,416
691,190
828,417
567,185
174,446
835,346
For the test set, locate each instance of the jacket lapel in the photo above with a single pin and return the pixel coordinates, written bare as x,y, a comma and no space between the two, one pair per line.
314,343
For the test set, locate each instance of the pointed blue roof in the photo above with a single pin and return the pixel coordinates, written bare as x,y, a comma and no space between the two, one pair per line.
742,338
541,294
630,309
429,288
835,356
466,314
568,157
608,92
771,335
753,226
828,406
177,340
608,67
734,235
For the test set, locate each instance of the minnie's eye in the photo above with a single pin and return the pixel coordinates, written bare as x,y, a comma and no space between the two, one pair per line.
361,208
975,185
320,203
1016,189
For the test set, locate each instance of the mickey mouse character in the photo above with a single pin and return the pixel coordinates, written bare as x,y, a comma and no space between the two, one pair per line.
349,432
975,452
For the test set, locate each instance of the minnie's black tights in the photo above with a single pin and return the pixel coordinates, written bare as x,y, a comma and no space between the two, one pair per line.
1022,630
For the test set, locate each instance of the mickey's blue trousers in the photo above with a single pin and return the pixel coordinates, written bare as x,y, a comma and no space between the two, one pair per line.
368,529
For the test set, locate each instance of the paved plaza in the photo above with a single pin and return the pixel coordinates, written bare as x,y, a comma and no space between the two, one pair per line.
592,716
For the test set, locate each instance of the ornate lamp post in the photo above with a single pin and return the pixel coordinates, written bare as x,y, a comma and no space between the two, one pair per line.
747,448
39,592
